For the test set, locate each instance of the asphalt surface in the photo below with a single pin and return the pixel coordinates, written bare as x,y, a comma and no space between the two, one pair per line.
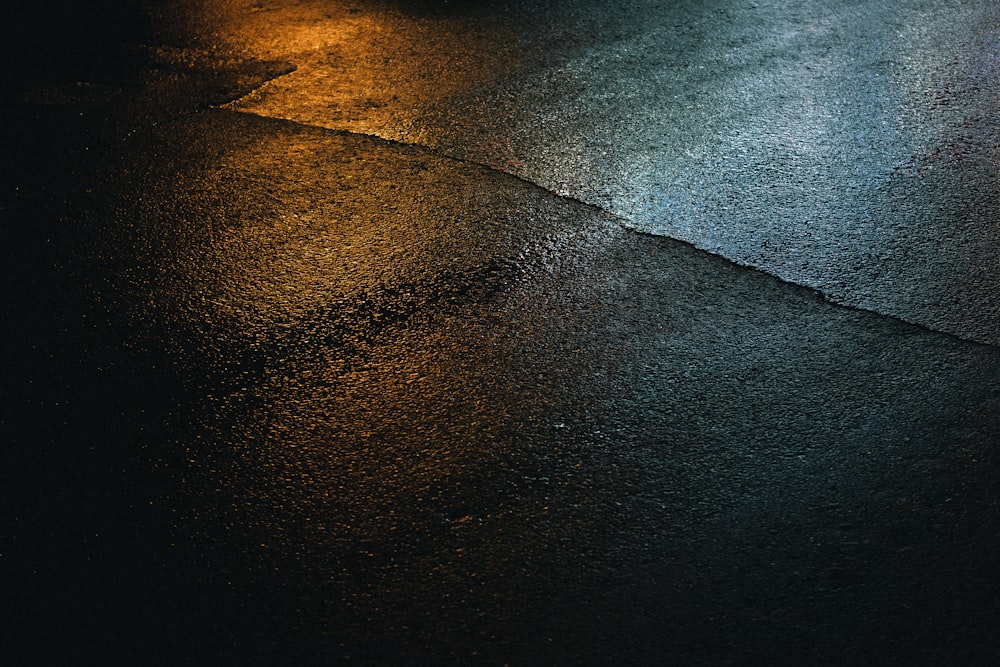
300,390
847,146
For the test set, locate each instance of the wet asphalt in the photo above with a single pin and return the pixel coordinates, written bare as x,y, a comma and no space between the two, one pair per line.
361,366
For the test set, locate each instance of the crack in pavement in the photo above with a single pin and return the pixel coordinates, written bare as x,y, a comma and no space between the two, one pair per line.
624,222
828,156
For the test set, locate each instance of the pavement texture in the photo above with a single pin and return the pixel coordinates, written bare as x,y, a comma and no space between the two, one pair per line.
425,333
847,146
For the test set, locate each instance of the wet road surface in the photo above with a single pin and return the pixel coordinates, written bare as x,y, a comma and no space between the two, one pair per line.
850,147
281,393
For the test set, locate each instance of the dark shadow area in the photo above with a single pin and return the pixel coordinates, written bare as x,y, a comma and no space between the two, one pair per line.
69,40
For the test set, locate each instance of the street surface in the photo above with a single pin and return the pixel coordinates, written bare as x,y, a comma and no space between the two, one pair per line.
525,333
847,146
